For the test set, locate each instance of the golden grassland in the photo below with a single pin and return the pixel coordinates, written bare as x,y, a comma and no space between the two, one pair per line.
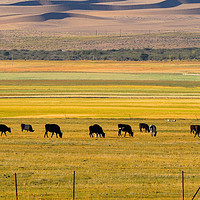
142,167
100,66
140,108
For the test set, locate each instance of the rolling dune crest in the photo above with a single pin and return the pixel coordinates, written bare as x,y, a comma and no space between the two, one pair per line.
103,14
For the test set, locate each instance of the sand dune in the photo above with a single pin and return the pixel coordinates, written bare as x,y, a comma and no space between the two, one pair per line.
107,15
93,5
88,4
195,11
46,17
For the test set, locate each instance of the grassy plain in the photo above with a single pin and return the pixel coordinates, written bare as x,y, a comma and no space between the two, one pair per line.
142,167
156,108
87,66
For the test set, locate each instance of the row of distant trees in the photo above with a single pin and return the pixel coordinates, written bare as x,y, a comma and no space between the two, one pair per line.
113,54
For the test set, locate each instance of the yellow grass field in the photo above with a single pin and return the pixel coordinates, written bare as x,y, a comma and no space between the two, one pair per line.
138,167
117,108
101,66
142,167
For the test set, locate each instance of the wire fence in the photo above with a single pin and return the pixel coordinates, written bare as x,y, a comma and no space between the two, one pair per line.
12,187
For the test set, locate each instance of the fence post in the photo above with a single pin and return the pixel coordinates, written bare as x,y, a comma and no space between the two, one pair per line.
16,187
74,185
183,185
196,193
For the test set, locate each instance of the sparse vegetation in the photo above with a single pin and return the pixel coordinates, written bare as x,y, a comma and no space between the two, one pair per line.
155,46
53,42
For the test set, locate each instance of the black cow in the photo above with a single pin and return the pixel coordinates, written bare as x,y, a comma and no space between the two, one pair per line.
27,127
4,129
144,126
153,130
97,130
125,128
53,128
195,129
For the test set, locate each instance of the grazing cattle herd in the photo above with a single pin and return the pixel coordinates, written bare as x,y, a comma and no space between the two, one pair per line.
97,130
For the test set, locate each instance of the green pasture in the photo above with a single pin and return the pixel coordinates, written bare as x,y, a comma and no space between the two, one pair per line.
98,91
54,84
97,76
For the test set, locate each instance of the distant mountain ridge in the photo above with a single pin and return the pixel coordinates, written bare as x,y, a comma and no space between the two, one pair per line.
106,12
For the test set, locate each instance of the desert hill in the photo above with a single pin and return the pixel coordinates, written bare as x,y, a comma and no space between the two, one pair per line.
106,16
